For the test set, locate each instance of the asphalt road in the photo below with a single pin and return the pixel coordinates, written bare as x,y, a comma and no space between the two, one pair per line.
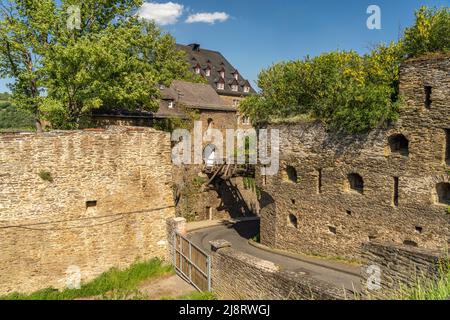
338,274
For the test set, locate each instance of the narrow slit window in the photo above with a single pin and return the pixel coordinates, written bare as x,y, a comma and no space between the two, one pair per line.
319,181
447,146
428,93
396,191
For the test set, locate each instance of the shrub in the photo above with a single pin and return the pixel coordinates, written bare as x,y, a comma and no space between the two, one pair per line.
342,89
46,176
13,118
430,32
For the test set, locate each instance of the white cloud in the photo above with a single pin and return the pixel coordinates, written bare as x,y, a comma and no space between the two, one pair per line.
206,17
162,13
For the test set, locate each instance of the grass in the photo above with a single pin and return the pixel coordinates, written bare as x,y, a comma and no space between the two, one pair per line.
425,289
195,296
257,238
114,284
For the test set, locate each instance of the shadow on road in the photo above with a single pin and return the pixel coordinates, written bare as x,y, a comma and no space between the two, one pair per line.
246,230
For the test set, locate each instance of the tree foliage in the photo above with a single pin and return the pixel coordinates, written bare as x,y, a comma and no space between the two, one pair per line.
343,89
430,32
12,118
112,59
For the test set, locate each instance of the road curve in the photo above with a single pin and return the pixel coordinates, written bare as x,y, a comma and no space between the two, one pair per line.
238,234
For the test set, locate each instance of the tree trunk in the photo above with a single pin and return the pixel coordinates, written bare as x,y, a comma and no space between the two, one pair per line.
38,125
34,92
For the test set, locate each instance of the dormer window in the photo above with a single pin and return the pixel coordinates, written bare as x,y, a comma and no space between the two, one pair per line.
197,70
235,88
222,74
246,89
208,72
171,104
236,75
221,86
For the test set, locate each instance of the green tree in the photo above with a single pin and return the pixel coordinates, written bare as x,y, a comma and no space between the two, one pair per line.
113,60
342,89
12,118
430,32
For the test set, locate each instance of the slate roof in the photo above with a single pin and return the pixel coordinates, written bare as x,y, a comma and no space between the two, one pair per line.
190,95
195,95
216,62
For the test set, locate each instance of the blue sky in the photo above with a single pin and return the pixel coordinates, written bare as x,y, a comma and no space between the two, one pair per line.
255,34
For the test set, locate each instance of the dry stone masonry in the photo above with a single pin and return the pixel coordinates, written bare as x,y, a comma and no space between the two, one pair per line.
399,267
335,192
239,276
81,202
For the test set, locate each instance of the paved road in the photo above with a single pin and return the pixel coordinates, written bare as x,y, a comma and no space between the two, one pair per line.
238,235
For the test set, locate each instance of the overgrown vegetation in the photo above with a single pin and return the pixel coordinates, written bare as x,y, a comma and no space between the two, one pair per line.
11,118
257,238
429,34
195,296
169,125
198,182
46,176
249,183
343,89
438,289
189,195
114,284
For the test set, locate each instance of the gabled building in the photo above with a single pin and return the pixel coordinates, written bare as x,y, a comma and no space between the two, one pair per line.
176,101
217,101
183,96
219,72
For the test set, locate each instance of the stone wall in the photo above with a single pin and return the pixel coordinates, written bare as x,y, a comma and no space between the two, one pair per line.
311,206
221,200
389,268
239,276
81,201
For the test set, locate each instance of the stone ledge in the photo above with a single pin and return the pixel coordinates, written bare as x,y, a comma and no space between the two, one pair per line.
219,244
337,266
